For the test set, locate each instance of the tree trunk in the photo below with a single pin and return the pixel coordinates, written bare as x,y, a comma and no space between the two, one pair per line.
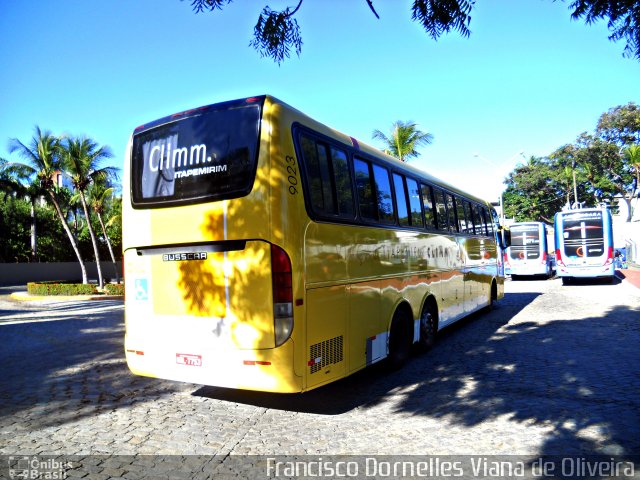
629,208
94,241
34,236
72,239
113,257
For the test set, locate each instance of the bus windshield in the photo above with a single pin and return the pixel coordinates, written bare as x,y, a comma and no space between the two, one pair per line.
209,154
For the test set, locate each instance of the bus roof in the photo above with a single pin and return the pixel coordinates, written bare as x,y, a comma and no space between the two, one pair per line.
367,149
372,151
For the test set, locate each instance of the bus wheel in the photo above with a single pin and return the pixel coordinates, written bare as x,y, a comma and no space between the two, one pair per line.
493,296
400,339
428,327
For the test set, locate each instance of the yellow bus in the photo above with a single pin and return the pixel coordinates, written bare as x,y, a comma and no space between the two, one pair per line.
265,251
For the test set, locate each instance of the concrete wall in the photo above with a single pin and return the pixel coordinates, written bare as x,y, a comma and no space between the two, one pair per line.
21,273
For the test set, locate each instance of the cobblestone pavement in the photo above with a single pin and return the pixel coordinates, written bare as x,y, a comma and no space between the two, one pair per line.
552,370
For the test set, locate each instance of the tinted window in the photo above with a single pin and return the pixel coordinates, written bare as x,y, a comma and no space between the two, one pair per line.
319,175
525,242
429,209
488,221
415,209
386,213
209,155
364,188
451,213
479,221
328,178
401,200
583,234
469,214
441,209
462,219
342,174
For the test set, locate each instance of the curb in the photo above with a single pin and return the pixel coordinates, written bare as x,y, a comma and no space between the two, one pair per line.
625,278
25,297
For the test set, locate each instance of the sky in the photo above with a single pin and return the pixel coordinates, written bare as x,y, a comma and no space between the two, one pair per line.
527,81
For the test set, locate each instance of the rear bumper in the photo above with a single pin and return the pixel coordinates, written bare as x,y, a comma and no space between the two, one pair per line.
541,269
269,370
585,272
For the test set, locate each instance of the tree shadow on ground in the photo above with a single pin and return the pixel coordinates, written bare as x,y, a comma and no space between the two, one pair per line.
577,378
66,370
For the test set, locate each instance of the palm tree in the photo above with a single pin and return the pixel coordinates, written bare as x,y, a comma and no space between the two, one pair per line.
404,140
632,156
43,161
23,183
99,196
81,158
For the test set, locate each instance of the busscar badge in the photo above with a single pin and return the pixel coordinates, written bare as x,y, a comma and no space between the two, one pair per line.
179,257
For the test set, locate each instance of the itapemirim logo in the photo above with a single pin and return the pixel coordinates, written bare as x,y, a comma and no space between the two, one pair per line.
33,467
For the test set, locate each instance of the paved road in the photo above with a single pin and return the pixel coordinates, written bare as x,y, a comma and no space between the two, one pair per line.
552,370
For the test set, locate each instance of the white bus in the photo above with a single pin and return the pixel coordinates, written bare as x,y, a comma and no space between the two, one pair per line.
584,244
528,253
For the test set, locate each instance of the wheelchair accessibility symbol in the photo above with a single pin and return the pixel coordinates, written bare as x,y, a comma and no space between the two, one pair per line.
141,289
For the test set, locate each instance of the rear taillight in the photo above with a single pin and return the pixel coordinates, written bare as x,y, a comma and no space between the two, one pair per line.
559,258
609,257
544,257
282,294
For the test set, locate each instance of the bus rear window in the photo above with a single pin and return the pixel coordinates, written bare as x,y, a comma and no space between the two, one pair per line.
208,155
584,234
525,242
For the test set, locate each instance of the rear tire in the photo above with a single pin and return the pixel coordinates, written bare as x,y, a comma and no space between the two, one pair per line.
400,340
428,327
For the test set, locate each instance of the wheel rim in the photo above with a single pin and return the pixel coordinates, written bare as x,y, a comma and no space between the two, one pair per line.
427,329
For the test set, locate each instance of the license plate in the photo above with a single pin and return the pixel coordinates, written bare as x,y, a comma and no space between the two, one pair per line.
189,359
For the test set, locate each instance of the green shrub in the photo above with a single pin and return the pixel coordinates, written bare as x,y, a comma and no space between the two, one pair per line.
114,289
60,288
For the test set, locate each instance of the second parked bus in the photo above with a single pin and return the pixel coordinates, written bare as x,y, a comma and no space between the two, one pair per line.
528,253
584,244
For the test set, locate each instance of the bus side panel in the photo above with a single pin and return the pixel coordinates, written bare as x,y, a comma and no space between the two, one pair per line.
327,337
475,275
367,324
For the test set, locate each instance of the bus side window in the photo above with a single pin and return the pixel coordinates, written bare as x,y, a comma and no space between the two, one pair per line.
328,177
315,157
429,209
414,203
386,212
344,190
469,214
451,213
401,200
441,209
488,221
462,219
479,223
365,189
